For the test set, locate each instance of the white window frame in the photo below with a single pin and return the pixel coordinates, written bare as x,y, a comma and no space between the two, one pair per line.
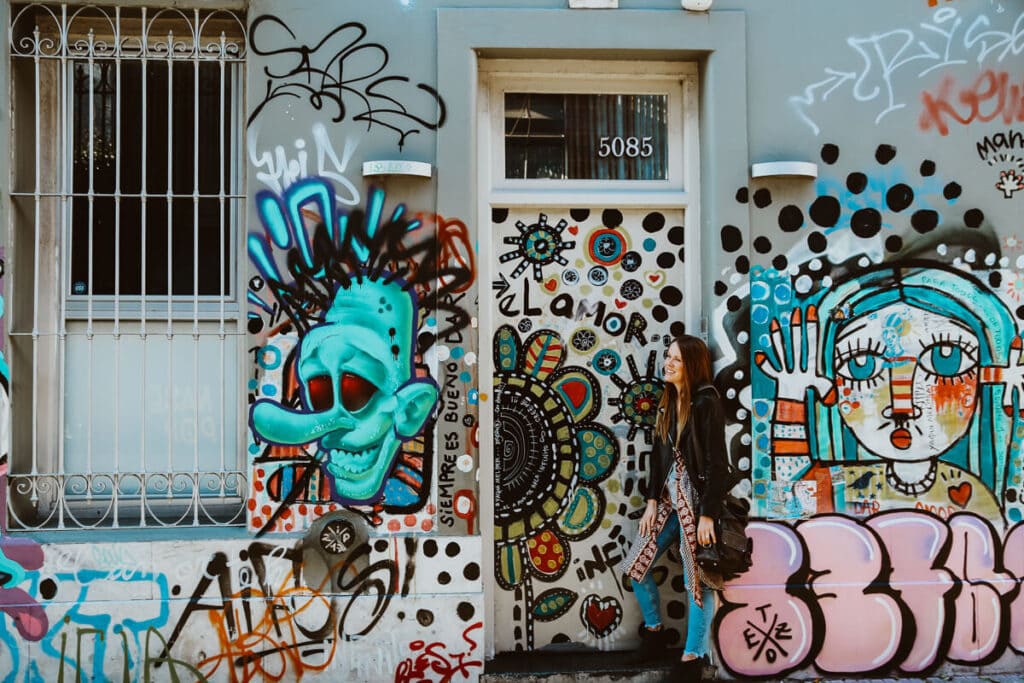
47,493
675,80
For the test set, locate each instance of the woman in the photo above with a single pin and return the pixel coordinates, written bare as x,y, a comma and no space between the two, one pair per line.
685,486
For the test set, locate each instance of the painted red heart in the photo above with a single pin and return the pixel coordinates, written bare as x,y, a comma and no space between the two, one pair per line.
961,494
621,304
654,277
574,229
551,285
601,616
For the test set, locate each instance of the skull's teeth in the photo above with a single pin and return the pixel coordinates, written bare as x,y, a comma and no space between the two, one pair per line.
355,462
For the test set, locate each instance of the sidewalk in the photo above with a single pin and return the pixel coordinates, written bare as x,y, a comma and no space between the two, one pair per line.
621,667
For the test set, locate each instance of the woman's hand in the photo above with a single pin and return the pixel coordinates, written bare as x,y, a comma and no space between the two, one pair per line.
705,531
650,515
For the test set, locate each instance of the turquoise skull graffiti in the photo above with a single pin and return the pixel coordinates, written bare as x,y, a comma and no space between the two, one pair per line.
360,396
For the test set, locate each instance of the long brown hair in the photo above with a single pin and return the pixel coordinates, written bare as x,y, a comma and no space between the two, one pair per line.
696,372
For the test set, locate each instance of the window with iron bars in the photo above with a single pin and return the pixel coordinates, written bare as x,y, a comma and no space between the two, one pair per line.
124,324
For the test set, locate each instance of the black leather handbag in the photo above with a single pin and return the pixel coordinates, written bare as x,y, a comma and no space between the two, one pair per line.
730,554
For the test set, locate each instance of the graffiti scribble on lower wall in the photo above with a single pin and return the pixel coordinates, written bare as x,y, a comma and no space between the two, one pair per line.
343,404
283,612
433,661
924,590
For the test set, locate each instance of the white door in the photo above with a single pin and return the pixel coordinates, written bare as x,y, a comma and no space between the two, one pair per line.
586,255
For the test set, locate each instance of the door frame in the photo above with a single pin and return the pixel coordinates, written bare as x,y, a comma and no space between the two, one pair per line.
716,39
679,79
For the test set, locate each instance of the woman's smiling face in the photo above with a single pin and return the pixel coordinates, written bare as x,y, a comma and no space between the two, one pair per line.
673,365
907,381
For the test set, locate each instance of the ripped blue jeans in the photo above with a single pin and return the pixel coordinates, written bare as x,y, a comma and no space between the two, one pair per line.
698,620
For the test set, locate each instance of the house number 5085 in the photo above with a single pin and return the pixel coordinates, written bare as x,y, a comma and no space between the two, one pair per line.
625,147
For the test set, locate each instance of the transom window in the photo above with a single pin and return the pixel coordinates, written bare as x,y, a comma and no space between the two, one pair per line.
566,126
586,136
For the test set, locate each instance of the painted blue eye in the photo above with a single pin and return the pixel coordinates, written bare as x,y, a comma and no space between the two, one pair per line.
946,360
861,367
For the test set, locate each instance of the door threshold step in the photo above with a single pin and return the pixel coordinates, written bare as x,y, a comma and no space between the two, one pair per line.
582,664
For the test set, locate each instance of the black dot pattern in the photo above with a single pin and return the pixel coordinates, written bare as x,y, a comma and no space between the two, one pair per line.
817,242
762,198
611,218
924,220
856,182
899,197
654,222
825,211
732,238
791,218
866,222
973,218
829,153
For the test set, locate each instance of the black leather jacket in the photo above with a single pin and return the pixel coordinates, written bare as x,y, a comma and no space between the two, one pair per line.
707,421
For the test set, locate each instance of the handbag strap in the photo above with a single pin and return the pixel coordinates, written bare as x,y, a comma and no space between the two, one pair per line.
698,462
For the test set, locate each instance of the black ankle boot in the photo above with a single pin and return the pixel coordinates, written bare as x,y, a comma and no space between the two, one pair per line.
690,671
652,643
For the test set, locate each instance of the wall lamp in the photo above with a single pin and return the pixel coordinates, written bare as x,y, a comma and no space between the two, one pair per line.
397,167
784,169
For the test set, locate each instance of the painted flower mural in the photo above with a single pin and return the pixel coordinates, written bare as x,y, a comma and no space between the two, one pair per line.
549,456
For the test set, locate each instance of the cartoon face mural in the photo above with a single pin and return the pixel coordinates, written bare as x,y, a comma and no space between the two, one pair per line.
922,370
887,379
360,402
347,308
908,360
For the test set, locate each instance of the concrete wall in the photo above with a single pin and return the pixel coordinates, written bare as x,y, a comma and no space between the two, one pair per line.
865,325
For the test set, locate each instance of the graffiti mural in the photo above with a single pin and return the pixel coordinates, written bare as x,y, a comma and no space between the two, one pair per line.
993,95
1004,152
880,71
342,75
343,404
887,380
887,397
431,658
924,589
584,299
20,557
254,611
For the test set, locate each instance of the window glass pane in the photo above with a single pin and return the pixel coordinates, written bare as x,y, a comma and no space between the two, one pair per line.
96,161
586,137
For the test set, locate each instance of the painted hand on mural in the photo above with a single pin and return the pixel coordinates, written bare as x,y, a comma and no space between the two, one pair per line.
1011,377
796,372
360,400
